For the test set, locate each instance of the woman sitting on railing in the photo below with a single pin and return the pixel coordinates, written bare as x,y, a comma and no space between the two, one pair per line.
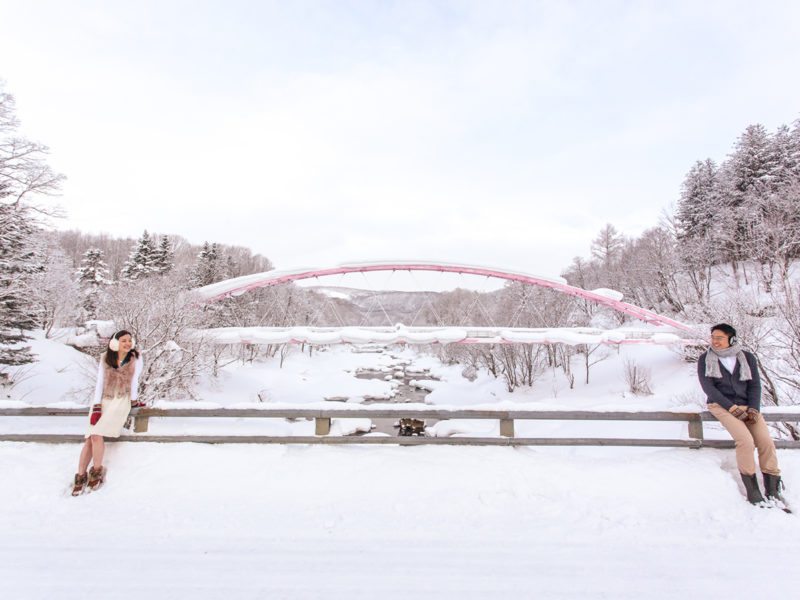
115,393
729,377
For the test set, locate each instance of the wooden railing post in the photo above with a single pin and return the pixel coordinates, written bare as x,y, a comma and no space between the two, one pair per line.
140,424
696,427
507,428
322,426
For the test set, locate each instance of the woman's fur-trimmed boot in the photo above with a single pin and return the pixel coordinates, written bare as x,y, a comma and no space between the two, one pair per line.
80,484
751,486
96,477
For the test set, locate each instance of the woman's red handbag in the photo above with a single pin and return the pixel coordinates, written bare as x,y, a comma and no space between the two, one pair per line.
97,411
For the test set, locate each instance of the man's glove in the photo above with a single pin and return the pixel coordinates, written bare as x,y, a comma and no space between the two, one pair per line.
752,416
740,412
97,412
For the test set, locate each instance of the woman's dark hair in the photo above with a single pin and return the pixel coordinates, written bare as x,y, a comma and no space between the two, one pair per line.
724,328
111,356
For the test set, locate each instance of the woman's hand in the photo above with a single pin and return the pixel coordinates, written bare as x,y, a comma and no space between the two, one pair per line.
97,412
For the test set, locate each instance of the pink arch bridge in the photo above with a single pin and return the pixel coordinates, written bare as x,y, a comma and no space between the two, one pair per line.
608,298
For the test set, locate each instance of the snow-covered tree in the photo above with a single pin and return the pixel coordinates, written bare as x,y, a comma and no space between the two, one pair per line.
784,153
142,260
747,171
704,225
54,289
608,244
208,269
607,249
584,274
24,174
772,234
701,201
19,261
164,257
751,162
231,268
92,276
93,270
649,271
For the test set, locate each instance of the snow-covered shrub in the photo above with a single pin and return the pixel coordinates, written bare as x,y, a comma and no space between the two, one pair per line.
638,378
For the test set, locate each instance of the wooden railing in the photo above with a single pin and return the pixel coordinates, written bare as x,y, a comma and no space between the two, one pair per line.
324,416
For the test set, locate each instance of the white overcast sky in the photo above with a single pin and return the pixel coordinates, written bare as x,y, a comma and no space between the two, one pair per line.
496,133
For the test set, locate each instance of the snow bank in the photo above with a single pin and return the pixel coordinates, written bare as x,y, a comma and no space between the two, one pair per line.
60,374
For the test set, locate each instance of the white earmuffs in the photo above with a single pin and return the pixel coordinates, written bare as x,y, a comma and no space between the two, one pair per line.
113,343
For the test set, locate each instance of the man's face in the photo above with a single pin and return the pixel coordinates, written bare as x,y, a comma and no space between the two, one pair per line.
720,340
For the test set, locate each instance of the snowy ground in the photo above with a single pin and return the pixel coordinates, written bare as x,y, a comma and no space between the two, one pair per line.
202,521
296,521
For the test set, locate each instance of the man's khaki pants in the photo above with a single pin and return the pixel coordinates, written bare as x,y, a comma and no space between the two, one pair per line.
747,438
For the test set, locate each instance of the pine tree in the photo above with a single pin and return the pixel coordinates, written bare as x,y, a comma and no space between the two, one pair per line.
705,225
208,269
746,173
93,270
700,201
92,275
164,258
751,163
231,267
784,156
23,173
142,261
18,262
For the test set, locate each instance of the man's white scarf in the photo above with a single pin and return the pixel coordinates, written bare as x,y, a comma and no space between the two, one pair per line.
712,362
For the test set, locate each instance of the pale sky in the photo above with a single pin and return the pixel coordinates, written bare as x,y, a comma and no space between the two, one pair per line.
494,133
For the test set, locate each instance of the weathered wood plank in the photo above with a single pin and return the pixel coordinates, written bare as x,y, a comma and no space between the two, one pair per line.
44,438
40,411
368,440
780,444
391,412
399,440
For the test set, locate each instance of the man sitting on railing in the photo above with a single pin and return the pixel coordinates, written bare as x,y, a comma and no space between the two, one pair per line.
729,377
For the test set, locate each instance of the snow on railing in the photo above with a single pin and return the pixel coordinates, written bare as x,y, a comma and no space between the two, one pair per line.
400,334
